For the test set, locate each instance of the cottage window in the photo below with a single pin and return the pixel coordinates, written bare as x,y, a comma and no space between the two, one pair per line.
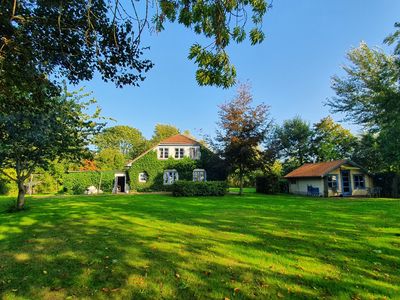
332,181
143,177
292,181
164,152
359,181
179,152
170,176
194,153
199,175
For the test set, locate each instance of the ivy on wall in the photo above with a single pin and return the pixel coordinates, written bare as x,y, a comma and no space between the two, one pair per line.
78,182
154,168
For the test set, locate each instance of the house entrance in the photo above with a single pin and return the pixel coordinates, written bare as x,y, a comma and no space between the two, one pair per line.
121,184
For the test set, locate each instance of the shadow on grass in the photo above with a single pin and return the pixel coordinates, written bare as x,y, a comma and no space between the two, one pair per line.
157,246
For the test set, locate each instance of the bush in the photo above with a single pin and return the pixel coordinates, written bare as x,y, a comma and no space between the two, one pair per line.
267,184
78,182
183,188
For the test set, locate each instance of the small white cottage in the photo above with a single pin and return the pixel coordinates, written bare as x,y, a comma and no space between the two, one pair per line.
333,178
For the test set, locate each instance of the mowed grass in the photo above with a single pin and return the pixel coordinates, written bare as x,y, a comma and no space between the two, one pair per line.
160,247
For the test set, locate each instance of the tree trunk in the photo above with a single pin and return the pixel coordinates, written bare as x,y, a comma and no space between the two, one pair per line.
240,182
21,195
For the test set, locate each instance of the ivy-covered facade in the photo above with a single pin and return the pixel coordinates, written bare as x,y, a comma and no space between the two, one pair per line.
175,158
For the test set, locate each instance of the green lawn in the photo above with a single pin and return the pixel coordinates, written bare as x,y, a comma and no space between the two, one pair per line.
160,247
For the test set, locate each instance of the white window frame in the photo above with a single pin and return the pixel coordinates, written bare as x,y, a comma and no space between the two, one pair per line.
198,177
164,152
194,152
141,174
170,176
179,153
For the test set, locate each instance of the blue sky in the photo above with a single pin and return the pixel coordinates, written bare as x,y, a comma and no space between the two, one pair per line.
306,42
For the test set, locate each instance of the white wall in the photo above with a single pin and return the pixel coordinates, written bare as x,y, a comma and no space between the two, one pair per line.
171,150
300,187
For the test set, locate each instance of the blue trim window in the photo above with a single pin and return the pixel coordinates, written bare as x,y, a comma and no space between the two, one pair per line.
332,181
359,181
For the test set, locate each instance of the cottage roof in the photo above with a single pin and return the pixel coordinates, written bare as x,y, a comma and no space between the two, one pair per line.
319,169
179,139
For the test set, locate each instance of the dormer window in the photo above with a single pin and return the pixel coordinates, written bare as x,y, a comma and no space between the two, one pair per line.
179,152
164,152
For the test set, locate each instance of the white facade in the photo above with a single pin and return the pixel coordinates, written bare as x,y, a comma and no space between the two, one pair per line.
178,151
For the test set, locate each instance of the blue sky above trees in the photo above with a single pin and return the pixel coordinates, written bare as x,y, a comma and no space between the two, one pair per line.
306,43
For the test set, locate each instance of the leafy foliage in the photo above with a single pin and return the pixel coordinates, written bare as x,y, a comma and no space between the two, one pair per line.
331,141
369,95
110,159
37,126
127,140
76,39
294,140
243,128
184,188
163,131
78,182
267,184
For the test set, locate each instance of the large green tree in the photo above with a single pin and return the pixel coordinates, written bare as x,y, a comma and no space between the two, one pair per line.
242,129
331,141
128,140
163,131
369,95
40,126
294,142
77,38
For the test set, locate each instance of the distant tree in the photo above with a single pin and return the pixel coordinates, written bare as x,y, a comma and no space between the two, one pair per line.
331,141
294,141
80,38
242,129
369,95
37,128
128,140
163,131
110,159
368,153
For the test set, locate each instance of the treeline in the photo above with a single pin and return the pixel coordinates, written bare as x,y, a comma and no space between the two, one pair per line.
111,149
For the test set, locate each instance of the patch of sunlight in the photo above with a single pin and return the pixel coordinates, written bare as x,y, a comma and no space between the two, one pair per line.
316,267
9,229
137,280
2,237
22,257
27,221
49,294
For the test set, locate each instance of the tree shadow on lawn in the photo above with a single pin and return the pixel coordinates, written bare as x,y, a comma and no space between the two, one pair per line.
165,247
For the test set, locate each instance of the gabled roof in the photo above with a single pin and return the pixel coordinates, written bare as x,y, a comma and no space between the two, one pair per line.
179,139
319,169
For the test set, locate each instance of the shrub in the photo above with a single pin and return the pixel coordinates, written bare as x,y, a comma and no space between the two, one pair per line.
267,184
184,188
78,182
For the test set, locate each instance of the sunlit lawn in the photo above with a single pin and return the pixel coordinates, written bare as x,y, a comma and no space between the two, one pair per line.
160,247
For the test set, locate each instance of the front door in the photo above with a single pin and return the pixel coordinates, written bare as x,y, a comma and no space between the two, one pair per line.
346,183
121,184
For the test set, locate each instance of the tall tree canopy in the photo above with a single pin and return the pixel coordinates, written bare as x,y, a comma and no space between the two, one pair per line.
294,141
369,95
163,131
242,130
331,141
79,38
41,126
128,140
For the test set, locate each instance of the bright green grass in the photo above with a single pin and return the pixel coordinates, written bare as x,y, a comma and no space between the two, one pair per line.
160,247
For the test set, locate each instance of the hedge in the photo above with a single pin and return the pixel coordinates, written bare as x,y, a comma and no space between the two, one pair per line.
78,182
183,188
267,184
